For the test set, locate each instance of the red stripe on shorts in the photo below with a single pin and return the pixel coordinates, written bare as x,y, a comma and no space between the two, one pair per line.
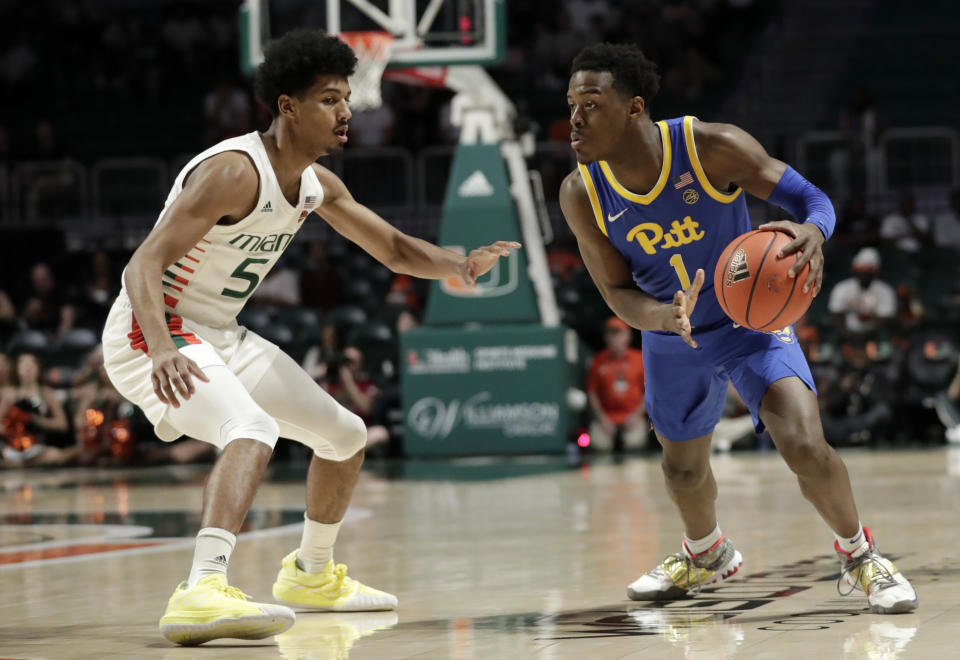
137,342
175,325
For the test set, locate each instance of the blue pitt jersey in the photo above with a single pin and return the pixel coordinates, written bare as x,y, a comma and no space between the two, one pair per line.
681,225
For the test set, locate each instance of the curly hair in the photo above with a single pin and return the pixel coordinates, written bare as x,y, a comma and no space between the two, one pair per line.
633,74
292,63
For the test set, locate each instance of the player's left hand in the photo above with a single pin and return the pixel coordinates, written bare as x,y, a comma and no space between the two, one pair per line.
482,259
808,242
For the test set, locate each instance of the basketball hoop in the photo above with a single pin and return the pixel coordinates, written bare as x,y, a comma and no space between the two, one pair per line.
372,49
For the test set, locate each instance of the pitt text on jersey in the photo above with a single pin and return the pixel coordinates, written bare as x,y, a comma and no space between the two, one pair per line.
650,235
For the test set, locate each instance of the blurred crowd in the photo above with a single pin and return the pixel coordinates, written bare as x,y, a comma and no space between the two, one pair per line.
332,308
880,339
137,67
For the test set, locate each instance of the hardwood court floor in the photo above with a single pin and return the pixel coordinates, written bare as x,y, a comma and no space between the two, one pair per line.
531,565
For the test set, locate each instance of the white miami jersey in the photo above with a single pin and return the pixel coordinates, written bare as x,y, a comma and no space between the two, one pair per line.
211,283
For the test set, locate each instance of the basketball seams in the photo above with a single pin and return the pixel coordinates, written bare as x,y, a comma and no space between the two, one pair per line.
756,278
786,302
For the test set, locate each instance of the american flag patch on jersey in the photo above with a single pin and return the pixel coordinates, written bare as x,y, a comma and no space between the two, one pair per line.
310,201
682,181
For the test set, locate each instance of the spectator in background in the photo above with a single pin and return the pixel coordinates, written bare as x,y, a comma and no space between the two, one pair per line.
319,356
948,409
45,308
615,391
563,259
910,314
907,229
863,303
350,386
856,406
99,290
403,293
227,112
4,371
31,416
281,286
101,416
8,318
946,228
319,282
406,320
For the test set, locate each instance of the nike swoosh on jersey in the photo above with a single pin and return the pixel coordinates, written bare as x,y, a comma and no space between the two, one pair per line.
611,218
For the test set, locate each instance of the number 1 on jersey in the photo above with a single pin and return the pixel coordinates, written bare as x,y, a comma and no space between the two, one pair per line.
677,262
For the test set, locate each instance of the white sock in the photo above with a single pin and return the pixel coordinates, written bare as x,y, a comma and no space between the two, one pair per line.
214,547
856,545
704,544
316,546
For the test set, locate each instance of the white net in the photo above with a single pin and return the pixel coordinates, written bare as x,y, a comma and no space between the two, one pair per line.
373,52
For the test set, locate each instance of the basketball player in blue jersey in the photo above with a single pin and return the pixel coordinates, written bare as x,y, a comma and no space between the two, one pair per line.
652,203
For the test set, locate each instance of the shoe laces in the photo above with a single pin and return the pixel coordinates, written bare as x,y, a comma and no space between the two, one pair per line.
339,575
233,592
688,565
877,572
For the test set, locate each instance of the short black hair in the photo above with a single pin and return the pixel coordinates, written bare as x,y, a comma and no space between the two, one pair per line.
292,63
633,74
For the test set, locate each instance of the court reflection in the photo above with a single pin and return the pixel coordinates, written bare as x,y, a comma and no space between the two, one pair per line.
884,639
330,635
696,634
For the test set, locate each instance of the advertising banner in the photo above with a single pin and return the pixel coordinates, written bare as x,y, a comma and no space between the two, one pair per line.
484,390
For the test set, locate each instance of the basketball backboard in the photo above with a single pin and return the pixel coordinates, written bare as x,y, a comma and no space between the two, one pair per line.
426,32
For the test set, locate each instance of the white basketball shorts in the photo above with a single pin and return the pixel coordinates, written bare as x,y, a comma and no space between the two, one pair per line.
249,376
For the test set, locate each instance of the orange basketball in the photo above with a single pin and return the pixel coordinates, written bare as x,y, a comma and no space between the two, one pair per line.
752,285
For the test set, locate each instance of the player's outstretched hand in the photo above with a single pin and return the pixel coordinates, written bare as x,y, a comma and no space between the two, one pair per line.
808,241
482,259
172,375
681,310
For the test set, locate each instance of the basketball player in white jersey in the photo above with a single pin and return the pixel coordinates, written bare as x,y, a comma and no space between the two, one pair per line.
172,344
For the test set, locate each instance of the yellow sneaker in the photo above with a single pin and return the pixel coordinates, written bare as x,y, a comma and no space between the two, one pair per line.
212,609
330,590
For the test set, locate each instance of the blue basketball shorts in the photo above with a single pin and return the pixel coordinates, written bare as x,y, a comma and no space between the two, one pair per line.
686,387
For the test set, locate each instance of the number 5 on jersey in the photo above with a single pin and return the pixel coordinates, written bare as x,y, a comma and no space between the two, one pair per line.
241,273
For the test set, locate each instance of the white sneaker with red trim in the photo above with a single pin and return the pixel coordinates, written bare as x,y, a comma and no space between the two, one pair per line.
888,592
683,574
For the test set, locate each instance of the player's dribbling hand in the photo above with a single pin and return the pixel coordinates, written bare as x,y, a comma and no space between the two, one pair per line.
808,241
680,311
482,259
172,375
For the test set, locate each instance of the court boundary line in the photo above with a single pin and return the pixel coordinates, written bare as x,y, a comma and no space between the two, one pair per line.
165,544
